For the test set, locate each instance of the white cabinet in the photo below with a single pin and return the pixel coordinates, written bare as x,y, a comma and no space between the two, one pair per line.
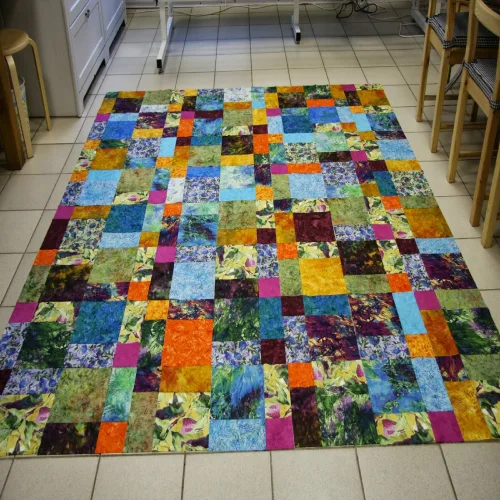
73,38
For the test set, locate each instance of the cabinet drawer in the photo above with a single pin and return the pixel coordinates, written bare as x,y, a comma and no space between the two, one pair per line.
111,9
73,8
87,40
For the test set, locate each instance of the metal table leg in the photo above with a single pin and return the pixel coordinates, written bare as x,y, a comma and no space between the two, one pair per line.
295,21
166,26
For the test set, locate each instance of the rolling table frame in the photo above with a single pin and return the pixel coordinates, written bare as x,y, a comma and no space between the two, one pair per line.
167,24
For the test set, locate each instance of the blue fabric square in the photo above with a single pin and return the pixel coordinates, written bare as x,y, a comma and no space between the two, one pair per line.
120,240
362,123
274,125
125,218
207,126
198,230
327,305
431,384
237,435
241,194
396,149
324,115
97,193
237,177
294,138
104,175
167,147
161,179
193,281
409,313
118,130
385,183
303,186
345,114
296,124
98,322
437,245
270,319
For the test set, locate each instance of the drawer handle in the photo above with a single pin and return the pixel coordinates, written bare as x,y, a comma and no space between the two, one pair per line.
87,13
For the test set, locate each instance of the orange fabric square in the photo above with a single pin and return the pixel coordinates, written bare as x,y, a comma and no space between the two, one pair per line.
185,128
264,192
172,209
111,437
275,138
391,202
91,212
304,168
401,165
162,162
399,282
45,257
427,223
287,251
319,103
238,105
157,309
357,109
131,94
349,127
260,144
370,189
138,290
300,375
186,379
440,335
92,144
190,92
179,171
106,106
237,236
79,175
290,89
419,346
188,342
149,239
337,92
367,136
174,108
271,101
285,227
109,159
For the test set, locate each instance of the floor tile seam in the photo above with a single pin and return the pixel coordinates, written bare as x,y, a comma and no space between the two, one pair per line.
95,478
183,475
13,275
7,477
359,472
272,476
448,472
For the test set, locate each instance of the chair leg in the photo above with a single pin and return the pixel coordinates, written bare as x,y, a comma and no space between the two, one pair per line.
458,129
42,85
475,110
492,209
484,167
438,108
25,126
423,77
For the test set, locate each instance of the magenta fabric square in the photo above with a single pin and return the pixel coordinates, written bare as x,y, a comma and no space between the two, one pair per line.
359,156
445,426
349,88
187,115
269,287
273,112
157,197
165,254
64,212
126,355
23,312
383,231
279,168
427,299
102,118
279,434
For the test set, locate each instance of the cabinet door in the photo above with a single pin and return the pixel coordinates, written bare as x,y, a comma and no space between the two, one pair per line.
73,8
87,40
111,10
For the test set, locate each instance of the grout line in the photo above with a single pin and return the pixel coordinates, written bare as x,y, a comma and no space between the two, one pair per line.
272,481
448,472
95,477
359,472
183,475
7,477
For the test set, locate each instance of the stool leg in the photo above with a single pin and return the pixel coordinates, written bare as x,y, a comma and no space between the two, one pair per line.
475,110
492,209
484,167
423,75
25,127
438,108
42,85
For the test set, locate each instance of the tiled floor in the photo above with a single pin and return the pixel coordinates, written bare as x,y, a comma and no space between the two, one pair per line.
242,48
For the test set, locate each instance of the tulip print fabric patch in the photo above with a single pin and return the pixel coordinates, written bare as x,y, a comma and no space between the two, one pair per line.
247,269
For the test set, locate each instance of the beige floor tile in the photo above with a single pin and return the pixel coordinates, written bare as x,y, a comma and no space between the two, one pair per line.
172,65
412,75
270,60
260,45
492,299
27,192
409,472
71,478
397,42
359,29
16,229
319,474
370,59
233,62
271,31
144,22
127,65
338,76
122,478
311,76
85,130
264,78
406,116
113,83
483,263
40,231
58,192
17,283
400,95
233,32
133,49
3,180
72,159
473,460
240,46
435,173
200,48
8,265
231,476
157,81
366,43
227,79
337,43
195,80
419,141
64,130
134,36
404,57
207,33
342,59
197,64
384,76
5,314
5,464
47,159
302,60
456,210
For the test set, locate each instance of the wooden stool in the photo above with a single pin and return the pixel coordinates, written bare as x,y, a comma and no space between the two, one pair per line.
13,41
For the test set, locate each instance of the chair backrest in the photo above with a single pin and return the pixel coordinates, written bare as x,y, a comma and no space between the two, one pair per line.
480,12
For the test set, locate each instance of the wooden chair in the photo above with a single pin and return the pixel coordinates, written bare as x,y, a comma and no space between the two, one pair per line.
11,42
447,33
481,81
